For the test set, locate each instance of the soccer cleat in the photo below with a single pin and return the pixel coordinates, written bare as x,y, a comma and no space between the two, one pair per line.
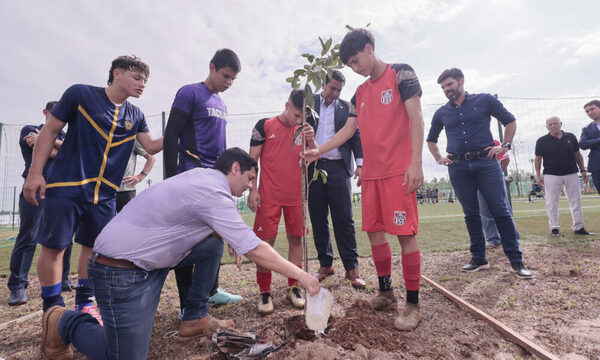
265,304
385,300
222,297
294,296
410,317
554,232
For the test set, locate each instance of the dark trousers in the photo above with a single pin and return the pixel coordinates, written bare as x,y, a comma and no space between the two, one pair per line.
335,195
484,174
24,248
123,197
596,180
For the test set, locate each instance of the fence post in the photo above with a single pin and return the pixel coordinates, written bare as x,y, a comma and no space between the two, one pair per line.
14,206
501,138
164,121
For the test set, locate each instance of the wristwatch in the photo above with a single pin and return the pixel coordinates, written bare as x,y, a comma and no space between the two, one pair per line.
506,145
143,172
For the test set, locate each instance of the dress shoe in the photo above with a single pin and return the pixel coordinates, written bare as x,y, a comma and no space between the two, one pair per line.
355,279
204,326
323,273
583,231
17,297
53,347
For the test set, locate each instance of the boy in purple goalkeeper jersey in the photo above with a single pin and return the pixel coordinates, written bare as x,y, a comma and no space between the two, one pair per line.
195,137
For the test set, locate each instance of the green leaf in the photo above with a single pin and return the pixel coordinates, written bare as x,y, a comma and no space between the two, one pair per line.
322,42
296,134
349,27
316,173
317,81
310,100
324,177
300,72
336,47
308,94
290,79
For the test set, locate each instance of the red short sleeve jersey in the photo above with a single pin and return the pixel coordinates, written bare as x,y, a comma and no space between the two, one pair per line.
383,121
280,175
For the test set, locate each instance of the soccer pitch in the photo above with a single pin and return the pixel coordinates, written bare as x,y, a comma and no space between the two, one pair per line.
441,229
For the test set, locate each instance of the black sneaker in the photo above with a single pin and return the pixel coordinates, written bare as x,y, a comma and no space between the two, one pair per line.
583,231
475,265
554,232
521,270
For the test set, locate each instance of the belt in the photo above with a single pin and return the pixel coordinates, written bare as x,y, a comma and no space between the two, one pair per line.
472,155
326,160
118,263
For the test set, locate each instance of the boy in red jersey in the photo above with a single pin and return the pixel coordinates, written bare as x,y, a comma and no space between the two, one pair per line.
387,108
280,189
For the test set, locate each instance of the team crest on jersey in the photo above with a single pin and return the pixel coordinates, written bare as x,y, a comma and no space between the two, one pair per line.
298,141
128,124
256,135
399,218
386,96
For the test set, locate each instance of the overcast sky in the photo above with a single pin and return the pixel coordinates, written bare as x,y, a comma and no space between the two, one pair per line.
526,49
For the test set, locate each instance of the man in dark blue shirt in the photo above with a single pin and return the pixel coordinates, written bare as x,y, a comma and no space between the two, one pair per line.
472,165
24,248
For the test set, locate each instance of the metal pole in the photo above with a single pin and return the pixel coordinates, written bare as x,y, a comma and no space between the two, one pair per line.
164,122
14,206
501,138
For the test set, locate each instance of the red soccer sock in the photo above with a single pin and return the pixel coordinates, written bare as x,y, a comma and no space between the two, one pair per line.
382,257
264,281
411,270
293,282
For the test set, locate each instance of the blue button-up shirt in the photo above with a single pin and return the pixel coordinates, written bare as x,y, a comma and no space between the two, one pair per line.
468,125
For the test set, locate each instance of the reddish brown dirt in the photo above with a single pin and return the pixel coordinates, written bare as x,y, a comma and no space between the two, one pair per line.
559,310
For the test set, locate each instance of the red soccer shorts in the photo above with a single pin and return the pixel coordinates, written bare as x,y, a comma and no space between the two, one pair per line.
266,221
387,207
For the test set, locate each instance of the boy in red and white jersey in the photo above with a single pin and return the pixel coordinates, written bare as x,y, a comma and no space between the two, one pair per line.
387,108
280,189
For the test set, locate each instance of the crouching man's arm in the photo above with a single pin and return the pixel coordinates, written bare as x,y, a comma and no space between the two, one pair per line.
265,256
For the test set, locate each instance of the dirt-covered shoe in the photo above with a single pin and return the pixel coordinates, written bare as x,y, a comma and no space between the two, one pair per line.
204,326
410,317
53,347
385,300
294,296
265,304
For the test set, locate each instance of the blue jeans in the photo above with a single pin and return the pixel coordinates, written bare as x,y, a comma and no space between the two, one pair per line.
467,177
128,298
492,236
24,248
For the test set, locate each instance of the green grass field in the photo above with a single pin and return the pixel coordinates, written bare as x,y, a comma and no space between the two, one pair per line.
441,229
